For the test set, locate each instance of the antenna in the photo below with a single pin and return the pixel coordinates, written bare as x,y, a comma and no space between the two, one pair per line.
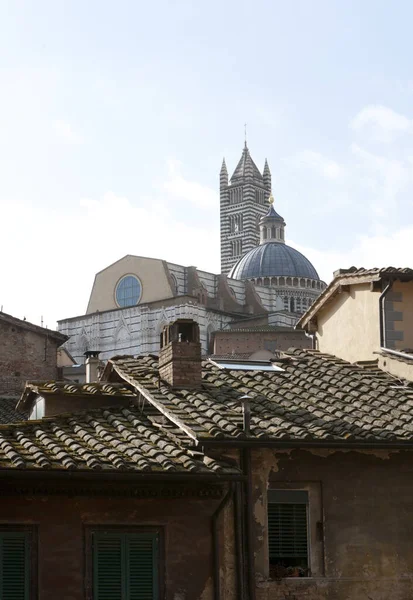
245,134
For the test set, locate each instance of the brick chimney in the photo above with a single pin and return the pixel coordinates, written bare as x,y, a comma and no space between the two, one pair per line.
92,365
180,363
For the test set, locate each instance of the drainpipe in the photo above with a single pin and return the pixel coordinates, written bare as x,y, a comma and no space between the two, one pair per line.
313,339
215,537
249,530
239,537
248,507
382,298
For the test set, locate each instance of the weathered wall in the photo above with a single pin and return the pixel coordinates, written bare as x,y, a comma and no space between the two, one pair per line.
61,521
364,500
24,355
349,327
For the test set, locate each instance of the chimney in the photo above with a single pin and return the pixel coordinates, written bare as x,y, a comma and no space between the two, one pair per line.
92,365
180,363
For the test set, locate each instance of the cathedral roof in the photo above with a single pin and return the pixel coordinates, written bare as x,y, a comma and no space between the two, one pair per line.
246,167
273,259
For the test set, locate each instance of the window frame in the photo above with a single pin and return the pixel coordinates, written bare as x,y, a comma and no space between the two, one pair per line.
88,532
315,524
300,494
32,535
119,282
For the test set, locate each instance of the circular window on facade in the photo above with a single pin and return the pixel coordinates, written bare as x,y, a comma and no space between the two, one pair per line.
128,291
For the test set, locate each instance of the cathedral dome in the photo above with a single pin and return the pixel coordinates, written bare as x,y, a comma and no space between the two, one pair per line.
273,259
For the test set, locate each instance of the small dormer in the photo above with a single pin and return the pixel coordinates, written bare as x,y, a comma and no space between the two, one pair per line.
180,354
50,398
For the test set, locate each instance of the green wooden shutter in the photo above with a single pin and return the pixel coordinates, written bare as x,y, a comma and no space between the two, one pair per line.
107,567
14,566
125,566
142,566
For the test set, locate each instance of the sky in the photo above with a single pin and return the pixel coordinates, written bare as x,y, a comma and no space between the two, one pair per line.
115,118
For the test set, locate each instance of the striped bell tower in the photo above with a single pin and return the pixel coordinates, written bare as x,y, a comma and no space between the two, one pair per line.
243,201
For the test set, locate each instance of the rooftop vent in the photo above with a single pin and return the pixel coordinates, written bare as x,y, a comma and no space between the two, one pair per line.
92,365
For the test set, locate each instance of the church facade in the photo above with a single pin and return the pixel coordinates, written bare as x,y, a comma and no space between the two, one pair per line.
262,278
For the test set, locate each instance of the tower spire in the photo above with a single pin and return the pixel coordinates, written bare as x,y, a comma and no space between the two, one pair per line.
223,176
267,176
245,135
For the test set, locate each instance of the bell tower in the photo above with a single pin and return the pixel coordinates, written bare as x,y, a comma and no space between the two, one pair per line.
243,201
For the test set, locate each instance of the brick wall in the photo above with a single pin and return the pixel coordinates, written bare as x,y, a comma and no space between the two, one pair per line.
180,364
252,341
62,519
24,355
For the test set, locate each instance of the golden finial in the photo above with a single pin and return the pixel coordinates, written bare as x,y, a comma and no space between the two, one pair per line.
271,199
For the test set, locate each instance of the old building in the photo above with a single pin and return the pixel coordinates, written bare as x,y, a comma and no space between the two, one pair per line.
204,481
366,314
27,351
132,299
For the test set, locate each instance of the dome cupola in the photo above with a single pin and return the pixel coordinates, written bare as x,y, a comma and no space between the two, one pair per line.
272,225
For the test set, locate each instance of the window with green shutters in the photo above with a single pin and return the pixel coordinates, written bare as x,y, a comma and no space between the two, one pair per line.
125,565
15,564
288,532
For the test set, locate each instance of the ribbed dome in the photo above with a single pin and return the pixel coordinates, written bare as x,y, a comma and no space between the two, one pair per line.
273,259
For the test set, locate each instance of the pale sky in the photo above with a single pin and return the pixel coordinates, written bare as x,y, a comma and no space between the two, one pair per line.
115,117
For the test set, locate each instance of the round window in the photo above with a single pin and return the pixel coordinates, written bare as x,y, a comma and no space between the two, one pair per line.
128,291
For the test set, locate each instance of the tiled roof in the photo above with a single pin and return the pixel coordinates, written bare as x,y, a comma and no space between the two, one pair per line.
68,388
316,398
381,272
353,275
111,440
8,412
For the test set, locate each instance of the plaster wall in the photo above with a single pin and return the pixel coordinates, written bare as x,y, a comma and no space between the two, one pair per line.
150,271
348,326
396,366
363,500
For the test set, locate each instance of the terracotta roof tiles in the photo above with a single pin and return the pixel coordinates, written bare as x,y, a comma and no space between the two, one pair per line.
317,397
115,439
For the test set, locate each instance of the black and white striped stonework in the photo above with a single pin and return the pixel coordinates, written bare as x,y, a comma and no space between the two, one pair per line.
243,201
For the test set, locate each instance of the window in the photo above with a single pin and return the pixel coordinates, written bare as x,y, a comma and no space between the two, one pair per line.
128,291
16,564
174,282
288,533
125,565
38,409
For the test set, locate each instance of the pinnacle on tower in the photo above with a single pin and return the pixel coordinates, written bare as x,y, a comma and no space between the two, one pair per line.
223,176
246,168
267,176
